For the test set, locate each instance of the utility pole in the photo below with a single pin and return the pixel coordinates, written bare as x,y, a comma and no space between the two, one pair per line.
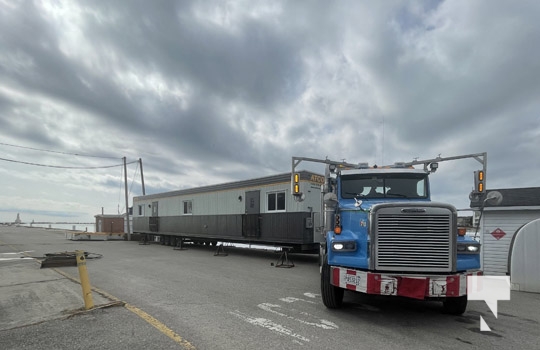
127,200
142,177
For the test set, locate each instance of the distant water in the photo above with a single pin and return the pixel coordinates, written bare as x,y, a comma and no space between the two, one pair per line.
75,227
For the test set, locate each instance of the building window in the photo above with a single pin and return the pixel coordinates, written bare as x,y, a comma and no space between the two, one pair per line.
141,210
188,207
276,201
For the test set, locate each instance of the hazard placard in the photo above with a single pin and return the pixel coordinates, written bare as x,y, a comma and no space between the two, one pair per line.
498,233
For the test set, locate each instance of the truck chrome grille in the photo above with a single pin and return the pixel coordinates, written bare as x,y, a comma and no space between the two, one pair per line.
414,242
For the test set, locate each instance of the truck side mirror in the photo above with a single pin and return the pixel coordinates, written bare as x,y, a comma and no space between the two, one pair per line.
494,198
330,200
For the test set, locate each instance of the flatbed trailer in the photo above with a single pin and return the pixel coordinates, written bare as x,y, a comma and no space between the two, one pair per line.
258,211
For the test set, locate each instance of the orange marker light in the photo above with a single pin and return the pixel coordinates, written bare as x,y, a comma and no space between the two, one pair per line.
296,184
479,181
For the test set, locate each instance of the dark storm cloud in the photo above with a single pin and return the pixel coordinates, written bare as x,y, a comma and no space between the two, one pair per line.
213,136
5,105
207,92
465,73
251,65
253,62
52,73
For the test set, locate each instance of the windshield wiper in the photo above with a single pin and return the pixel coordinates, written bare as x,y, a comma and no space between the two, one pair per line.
397,195
355,194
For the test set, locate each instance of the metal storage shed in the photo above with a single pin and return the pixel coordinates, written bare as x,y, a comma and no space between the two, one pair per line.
524,259
499,223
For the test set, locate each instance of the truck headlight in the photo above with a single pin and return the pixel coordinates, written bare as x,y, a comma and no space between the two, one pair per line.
468,248
344,246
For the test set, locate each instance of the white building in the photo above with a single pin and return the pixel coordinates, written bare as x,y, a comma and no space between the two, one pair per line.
498,225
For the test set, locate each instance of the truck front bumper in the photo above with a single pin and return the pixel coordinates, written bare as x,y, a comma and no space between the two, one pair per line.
405,285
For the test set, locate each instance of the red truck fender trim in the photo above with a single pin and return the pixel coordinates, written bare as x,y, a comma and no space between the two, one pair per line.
411,286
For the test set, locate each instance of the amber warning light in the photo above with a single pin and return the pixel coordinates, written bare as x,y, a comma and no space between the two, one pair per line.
296,184
479,179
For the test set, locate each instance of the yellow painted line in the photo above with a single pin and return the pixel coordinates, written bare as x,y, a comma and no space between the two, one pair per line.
10,246
142,314
160,326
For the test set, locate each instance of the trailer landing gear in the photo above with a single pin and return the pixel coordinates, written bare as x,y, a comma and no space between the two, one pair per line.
179,244
144,239
284,260
220,251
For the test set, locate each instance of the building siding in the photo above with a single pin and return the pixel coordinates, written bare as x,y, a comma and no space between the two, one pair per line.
495,252
224,200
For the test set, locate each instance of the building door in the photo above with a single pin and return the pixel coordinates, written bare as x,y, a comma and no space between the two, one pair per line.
251,220
154,219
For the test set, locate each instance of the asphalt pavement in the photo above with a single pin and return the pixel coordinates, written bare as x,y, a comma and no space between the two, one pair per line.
44,308
193,299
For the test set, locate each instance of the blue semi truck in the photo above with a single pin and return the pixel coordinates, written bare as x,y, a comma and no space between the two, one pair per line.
384,236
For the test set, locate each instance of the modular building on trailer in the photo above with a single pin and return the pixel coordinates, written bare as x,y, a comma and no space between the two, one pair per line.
255,211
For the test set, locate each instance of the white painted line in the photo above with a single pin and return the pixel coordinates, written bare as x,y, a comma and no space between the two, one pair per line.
293,299
311,295
268,324
324,324
18,253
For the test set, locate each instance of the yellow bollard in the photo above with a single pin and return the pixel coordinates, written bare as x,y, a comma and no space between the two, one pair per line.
85,282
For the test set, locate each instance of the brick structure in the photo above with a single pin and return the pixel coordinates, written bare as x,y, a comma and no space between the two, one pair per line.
110,223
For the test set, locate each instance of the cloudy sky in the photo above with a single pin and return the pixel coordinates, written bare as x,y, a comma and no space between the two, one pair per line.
206,92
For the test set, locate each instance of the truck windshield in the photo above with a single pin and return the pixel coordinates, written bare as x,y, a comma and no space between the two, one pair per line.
384,186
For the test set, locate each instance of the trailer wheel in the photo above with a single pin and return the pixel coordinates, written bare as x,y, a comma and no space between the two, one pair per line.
332,296
455,306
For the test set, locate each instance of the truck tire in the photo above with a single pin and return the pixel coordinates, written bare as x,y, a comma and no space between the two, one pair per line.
332,296
321,255
455,306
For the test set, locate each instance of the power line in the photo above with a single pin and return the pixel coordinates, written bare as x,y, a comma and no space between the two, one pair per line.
66,167
46,150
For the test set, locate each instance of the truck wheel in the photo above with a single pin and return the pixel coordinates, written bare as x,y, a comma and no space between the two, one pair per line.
455,306
332,296
321,255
